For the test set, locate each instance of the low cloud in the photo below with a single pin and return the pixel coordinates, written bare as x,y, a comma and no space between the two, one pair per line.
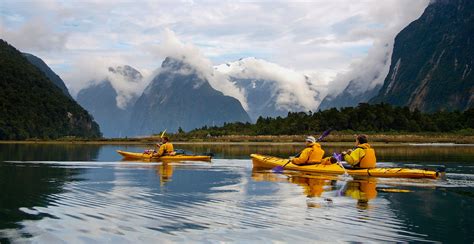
293,88
171,46
90,72
372,69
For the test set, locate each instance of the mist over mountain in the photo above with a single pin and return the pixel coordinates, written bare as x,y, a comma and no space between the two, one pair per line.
102,100
41,65
269,89
432,61
365,79
180,96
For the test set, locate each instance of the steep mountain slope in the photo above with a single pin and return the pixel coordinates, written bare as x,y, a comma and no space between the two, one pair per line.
31,106
101,100
432,61
41,65
180,97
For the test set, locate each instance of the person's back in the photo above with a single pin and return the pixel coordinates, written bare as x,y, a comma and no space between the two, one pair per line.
312,154
363,156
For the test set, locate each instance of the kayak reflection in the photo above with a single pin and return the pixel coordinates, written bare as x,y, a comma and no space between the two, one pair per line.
326,187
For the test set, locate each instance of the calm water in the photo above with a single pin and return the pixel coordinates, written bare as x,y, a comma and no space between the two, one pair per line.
85,193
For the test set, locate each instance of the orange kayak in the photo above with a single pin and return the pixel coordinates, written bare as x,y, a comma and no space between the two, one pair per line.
147,156
263,161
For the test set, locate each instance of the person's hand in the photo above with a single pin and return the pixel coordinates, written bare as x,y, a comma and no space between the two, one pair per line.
343,153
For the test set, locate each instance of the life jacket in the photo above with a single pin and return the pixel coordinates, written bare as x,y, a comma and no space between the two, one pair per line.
368,161
317,153
167,149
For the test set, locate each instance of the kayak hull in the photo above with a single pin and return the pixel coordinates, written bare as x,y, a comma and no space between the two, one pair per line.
269,162
145,156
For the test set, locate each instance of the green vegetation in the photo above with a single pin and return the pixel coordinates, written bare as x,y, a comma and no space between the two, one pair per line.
31,106
377,118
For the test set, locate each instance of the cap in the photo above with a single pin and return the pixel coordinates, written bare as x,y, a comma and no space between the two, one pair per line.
310,139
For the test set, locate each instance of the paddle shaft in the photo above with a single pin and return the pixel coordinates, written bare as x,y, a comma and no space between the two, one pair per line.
289,161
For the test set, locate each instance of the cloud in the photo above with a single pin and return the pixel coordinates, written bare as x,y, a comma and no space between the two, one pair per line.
323,38
371,70
35,35
293,88
98,70
171,46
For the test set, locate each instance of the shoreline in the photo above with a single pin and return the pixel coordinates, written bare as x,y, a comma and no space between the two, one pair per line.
343,139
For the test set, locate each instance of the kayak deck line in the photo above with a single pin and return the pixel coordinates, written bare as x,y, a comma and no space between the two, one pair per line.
269,162
147,156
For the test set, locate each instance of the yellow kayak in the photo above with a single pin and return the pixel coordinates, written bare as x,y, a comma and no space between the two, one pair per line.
269,162
146,156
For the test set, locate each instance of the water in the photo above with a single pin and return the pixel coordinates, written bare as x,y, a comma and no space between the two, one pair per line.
85,193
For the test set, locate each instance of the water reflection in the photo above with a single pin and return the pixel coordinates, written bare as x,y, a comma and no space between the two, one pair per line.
361,189
38,152
102,199
165,172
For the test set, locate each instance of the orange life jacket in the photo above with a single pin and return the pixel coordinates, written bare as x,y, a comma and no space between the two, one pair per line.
369,160
317,153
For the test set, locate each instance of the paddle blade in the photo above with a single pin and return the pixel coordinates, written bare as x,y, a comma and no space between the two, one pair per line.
338,156
277,169
325,133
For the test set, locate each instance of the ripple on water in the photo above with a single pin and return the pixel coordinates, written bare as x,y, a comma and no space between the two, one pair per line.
132,203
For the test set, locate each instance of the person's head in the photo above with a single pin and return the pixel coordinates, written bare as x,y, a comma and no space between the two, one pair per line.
310,140
165,139
361,139
333,160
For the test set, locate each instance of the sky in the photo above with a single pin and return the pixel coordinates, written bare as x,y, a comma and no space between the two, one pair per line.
328,40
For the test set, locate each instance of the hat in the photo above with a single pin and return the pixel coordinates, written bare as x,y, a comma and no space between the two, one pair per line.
310,139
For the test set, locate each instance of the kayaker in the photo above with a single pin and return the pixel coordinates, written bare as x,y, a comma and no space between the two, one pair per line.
312,154
165,148
363,156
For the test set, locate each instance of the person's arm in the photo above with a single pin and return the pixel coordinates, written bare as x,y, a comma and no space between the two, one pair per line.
303,158
161,150
354,157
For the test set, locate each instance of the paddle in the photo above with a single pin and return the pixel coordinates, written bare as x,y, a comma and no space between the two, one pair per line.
279,169
151,151
338,156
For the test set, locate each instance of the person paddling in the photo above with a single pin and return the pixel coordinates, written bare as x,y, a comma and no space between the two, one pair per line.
165,148
363,156
312,154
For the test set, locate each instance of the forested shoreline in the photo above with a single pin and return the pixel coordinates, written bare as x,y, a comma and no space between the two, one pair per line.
371,118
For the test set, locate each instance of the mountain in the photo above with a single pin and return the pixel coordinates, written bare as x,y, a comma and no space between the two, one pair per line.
102,101
33,107
432,60
268,90
350,96
179,96
41,65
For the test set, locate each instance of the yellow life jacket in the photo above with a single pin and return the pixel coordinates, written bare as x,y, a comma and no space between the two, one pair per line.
166,149
317,153
369,160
